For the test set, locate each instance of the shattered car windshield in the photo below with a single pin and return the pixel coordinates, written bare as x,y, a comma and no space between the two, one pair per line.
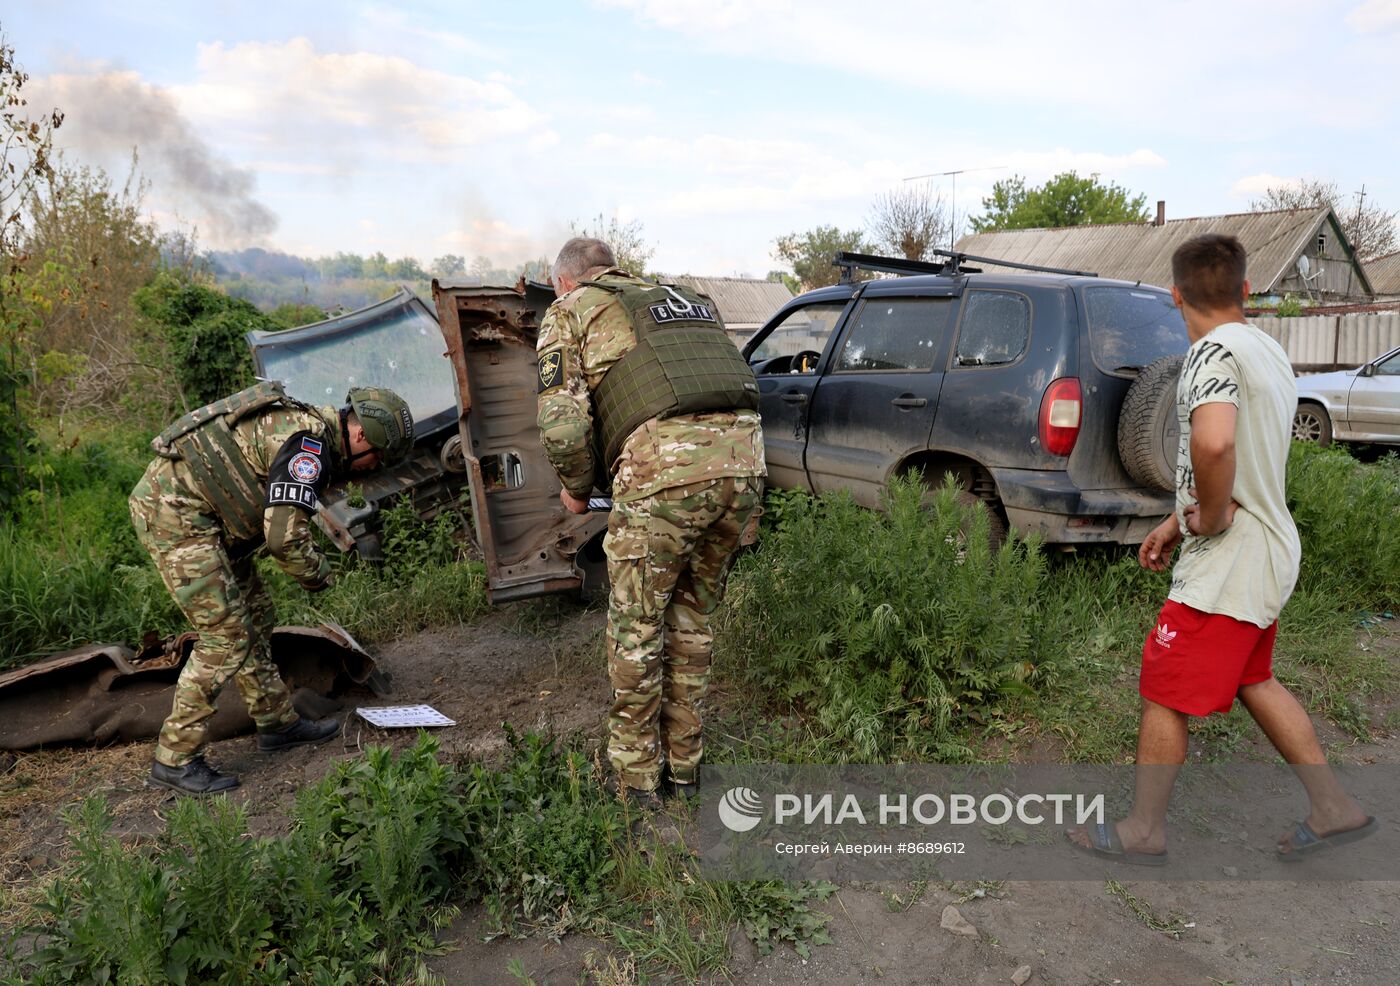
395,344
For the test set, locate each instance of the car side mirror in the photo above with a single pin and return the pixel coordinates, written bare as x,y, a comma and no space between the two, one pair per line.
1367,371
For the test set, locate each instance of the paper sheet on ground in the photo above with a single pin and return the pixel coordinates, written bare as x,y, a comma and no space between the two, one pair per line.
404,716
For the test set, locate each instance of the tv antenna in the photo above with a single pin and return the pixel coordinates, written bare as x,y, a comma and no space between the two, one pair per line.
953,197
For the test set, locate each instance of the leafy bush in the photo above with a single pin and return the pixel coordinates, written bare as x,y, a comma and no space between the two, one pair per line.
72,571
379,853
889,627
205,334
1348,517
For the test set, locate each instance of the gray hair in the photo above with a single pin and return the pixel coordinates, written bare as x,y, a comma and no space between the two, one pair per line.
581,255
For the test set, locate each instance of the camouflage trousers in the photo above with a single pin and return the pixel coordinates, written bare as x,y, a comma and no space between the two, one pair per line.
668,556
225,602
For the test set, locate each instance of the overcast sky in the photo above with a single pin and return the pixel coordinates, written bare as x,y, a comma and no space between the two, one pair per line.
424,128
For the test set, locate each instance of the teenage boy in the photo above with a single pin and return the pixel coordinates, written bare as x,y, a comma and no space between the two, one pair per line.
1213,641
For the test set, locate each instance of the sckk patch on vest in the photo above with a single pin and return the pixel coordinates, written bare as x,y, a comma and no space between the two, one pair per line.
551,370
671,311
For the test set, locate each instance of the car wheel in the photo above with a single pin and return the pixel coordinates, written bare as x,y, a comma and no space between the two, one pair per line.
996,526
1148,429
1311,423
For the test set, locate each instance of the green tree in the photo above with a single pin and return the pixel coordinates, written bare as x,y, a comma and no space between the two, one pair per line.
786,279
405,269
1065,200
627,240
205,331
291,314
449,265
26,144
86,341
810,254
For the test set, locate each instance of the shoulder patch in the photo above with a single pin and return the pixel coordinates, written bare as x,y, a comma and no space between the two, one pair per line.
551,369
304,467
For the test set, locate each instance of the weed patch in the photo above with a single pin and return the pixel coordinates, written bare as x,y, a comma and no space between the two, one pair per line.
380,854
890,629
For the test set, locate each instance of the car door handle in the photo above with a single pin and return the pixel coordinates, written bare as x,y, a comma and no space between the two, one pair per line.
909,402
794,398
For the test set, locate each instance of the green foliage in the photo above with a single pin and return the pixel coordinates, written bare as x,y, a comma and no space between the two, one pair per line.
914,626
810,254
1289,307
290,315
25,146
206,332
628,241
856,655
1348,517
539,836
772,912
1065,200
352,895
71,569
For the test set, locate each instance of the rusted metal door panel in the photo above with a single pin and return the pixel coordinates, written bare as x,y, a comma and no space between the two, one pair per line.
530,544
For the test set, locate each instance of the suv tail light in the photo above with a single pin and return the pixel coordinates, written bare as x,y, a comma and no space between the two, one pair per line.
1061,410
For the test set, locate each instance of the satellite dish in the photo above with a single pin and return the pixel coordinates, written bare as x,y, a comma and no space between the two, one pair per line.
1304,266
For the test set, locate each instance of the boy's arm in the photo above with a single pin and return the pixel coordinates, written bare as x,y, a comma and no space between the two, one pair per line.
1213,464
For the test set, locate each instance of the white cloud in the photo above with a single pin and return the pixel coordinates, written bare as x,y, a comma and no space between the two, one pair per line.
1199,57
1375,16
642,79
1256,186
349,105
1037,165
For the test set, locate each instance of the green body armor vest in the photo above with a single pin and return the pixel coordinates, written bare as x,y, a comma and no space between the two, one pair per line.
683,363
203,440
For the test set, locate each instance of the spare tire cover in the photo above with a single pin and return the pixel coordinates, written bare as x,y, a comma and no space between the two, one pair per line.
1148,430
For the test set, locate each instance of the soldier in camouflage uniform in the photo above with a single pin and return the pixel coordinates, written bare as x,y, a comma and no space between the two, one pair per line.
678,439
228,478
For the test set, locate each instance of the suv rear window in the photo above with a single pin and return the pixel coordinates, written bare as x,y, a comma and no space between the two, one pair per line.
1131,327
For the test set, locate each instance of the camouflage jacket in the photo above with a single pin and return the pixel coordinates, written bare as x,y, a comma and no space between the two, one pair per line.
593,332
294,453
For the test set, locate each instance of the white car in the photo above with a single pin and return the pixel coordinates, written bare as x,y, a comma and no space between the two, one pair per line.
1361,405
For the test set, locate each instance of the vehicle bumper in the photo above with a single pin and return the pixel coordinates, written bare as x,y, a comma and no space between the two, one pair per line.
1051,506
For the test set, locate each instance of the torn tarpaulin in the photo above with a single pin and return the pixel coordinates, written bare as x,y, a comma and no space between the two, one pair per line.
107,692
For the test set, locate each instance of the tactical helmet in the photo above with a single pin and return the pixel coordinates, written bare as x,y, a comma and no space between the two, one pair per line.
386,419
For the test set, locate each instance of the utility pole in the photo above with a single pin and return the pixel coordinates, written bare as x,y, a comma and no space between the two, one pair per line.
953,200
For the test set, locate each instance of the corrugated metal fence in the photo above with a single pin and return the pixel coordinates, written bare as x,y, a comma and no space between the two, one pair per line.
1317,343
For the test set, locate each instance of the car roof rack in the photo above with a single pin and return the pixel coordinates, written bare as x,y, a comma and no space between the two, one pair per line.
951,266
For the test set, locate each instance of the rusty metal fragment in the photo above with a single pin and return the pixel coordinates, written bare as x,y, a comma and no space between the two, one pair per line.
104,693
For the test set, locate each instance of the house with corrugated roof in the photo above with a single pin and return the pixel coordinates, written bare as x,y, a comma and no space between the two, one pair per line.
1384,275
1302,252
745,303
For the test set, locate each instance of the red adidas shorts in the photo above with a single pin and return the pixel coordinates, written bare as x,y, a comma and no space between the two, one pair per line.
1195,662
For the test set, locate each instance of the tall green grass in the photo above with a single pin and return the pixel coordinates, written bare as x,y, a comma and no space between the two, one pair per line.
72,571
890,629
891,635
379,855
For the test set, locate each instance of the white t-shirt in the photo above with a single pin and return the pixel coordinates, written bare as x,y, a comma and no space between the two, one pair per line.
1247,571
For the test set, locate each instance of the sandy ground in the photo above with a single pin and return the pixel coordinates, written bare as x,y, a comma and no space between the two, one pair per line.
537,667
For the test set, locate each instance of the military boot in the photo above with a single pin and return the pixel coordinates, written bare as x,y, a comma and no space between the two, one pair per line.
195,777
299,733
